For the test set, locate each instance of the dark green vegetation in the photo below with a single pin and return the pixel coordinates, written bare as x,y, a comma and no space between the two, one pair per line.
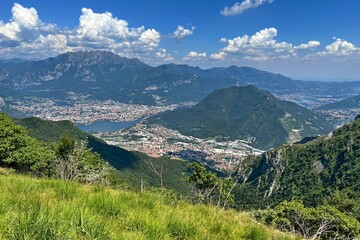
348,103
129,80
209,188
132,167
50,131
67,159
22,152
245,113
311,172
323,222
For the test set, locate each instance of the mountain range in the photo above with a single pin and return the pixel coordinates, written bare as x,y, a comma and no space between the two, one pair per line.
104,75
245,113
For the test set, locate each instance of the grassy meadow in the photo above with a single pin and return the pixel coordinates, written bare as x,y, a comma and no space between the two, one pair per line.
33,208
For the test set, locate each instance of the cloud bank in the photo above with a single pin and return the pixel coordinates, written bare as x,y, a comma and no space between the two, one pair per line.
27,36
262,46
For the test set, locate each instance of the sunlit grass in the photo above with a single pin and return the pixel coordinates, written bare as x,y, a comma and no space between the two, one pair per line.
51,209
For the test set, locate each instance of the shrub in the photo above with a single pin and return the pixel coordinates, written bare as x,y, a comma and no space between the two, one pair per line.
323,222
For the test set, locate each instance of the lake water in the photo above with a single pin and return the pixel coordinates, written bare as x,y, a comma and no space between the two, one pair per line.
106,126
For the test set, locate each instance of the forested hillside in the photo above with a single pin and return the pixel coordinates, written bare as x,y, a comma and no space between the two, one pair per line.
130,168
245,113
310,172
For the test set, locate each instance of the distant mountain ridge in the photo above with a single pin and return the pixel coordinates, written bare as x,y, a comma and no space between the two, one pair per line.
104,75
245,113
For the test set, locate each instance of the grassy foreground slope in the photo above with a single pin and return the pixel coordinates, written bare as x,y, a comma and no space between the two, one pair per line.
51,209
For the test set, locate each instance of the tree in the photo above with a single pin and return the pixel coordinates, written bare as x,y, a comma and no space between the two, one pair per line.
74,161
35,158
67,158
22,152
12,137
323,222
226,197
344,203
210,189
158,172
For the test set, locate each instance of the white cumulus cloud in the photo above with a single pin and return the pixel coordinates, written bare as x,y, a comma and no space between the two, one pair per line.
340,48
239,8
162,54
262,46
26,36
182,32
218,56
259,44
195,56
104,31
308,45
24,25
96,25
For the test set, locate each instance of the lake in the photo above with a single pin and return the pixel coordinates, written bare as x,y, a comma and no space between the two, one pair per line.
106,126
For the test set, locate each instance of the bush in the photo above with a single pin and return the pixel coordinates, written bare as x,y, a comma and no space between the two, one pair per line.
323,222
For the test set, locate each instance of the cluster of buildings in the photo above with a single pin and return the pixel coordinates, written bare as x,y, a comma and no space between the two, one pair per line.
156,140
340,116
308,101
86,111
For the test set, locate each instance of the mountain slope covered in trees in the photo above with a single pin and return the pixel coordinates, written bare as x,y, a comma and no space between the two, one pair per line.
245,113
310,172
131,167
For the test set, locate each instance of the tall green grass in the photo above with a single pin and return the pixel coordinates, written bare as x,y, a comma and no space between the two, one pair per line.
51,209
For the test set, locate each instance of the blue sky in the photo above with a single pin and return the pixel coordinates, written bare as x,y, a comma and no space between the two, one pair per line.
303,39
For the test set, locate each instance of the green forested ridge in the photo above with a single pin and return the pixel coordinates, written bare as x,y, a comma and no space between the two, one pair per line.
50,131
310,172
245,113
67,159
